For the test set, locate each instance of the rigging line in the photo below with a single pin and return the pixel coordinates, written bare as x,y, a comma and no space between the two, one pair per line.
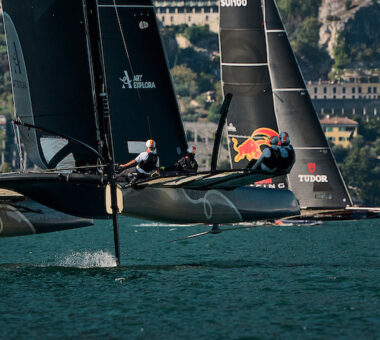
150,130
124,41
72,139
16,132
129,59
70,168
122,35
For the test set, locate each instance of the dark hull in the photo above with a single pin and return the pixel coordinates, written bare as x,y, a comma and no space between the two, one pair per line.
209,206
84,196
74,194
29,217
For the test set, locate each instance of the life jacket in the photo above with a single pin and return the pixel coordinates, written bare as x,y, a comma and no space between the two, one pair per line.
272,161
187,163
285,163
150,163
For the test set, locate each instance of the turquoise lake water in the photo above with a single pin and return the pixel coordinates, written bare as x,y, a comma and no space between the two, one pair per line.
320,282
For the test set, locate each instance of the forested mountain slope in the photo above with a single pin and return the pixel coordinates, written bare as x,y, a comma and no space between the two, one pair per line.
329,34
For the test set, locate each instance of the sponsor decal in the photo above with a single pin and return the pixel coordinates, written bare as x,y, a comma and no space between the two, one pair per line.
233,3
16,60
313,178
231,128
264,181
251,148
137,82
143,25
311,167
268,183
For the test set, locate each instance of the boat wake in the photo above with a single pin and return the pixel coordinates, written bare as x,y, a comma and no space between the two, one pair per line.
164,225
99,259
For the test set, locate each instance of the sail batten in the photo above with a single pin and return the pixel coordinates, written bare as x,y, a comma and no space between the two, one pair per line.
245,64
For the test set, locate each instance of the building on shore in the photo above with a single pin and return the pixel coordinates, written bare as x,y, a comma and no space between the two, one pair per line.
201,135
339,130
355,93
199,12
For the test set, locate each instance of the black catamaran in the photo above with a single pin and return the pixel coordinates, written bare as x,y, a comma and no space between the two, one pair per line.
91,85
269,96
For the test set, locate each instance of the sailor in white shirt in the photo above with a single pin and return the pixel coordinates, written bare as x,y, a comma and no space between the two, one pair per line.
144,164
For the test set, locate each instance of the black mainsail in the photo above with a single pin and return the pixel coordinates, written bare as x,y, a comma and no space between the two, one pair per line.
54,79
315,178
245,74
51,79
141,95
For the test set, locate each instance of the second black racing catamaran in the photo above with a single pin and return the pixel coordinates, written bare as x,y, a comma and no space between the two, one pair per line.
259,68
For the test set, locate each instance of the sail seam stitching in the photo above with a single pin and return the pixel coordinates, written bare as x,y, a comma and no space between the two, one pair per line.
244,64
130,6
311,148
289,89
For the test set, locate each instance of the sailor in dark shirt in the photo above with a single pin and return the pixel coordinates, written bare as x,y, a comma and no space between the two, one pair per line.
287,154
269,158
144,164
187,162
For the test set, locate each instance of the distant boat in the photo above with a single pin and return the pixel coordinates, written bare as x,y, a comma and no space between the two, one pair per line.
269,96
91,85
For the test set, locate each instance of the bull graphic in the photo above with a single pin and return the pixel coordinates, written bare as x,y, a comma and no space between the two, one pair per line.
251,147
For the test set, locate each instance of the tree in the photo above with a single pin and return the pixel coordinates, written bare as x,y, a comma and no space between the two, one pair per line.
359,44
359,170
5,168
214,113
185,81
195,33
314,60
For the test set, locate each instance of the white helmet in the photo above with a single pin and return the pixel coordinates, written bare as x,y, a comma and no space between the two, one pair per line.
150,144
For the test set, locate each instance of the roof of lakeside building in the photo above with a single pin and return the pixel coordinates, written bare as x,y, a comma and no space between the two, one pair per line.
338,121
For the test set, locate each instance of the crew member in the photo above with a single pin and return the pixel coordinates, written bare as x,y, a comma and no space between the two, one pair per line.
287,154
269,158
187,162
144,164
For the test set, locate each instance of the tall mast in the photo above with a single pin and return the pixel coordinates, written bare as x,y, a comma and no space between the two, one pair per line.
99,78
102,110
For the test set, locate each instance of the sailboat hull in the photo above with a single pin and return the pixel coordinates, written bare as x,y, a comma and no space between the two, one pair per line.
209,206
84,196
28,217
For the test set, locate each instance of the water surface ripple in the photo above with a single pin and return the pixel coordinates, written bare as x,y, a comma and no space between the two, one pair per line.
266,282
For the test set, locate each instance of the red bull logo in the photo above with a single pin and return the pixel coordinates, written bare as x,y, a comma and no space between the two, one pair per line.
251,148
